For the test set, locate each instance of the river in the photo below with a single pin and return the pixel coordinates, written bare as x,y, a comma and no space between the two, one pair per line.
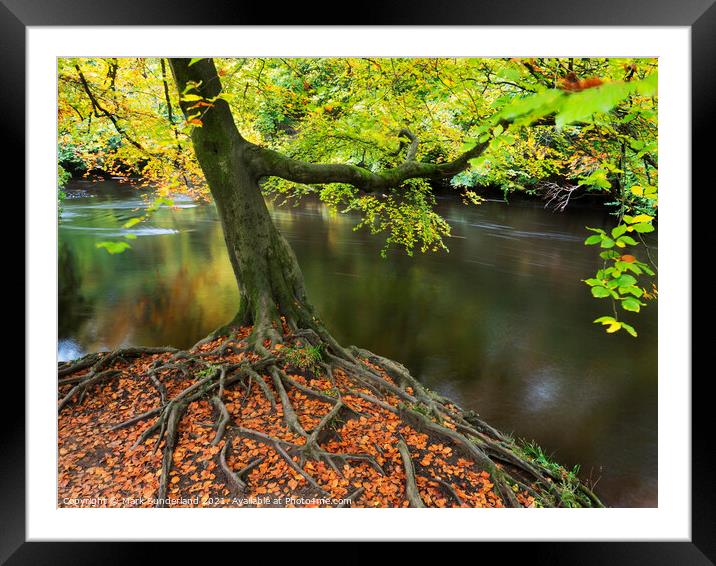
502,323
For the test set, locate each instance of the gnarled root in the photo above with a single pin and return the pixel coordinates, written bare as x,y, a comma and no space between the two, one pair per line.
411,488
363,417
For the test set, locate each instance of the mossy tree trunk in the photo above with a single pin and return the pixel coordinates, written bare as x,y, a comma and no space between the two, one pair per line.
270,281
269,278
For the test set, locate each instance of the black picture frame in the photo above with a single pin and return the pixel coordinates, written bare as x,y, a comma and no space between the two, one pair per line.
699,15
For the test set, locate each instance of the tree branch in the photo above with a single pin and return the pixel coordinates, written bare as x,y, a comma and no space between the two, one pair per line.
414,142
274,164
100,110
167,98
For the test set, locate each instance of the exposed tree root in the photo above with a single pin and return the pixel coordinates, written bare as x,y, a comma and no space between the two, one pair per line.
353,415
411,488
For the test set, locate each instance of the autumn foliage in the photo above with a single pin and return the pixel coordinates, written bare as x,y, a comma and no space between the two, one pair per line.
572,83
98,465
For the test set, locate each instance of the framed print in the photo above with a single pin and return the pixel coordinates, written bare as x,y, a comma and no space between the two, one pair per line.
469,195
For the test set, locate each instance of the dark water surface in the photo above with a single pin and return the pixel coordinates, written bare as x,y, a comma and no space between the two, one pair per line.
502,323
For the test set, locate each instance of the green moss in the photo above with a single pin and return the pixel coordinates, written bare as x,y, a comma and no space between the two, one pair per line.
210,369
567,481
307,358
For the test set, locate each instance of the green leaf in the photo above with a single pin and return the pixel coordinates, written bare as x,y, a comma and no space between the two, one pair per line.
618,230
643,227
509,73
507,139
600,292
630,266
133,221
535,106
592,240
194,60
629,329
630,304
626,280
582,105
478,162
113,247
637,145
633,290
597,230
468,144
597,178
649,85
628,240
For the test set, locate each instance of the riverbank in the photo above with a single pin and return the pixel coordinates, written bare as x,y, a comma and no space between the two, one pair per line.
477,324
238,433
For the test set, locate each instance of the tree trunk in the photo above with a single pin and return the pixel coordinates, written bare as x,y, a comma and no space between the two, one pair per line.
267,273
269,278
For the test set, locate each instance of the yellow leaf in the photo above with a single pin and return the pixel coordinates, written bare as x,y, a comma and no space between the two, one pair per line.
642,218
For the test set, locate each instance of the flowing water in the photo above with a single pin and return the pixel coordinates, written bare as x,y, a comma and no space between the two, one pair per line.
502,324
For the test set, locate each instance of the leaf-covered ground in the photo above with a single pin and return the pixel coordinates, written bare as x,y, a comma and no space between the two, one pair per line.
99,466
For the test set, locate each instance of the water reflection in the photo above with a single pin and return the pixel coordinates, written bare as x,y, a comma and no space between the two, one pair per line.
502,323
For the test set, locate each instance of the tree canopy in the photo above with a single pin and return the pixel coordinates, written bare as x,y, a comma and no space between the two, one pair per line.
395,132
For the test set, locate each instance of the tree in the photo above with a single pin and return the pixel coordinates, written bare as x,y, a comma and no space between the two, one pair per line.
394,196
270,281
561,128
